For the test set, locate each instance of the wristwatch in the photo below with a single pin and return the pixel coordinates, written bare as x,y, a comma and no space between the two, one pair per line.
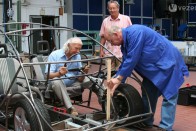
118,77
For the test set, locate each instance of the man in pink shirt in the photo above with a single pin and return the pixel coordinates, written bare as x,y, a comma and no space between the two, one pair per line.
115,19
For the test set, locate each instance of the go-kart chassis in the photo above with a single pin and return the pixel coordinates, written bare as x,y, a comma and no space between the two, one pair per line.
82,122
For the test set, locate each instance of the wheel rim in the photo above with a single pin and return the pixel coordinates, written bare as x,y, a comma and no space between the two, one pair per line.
20,121
123,104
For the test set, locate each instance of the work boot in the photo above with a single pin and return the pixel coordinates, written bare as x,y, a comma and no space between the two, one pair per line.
144,127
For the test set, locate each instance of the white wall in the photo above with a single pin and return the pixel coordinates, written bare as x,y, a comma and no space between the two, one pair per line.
37,8
63,34
34,7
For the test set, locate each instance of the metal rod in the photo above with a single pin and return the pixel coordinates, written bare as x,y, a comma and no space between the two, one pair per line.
124,119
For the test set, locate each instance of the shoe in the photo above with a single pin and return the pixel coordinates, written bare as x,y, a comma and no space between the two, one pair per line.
73,111
161,129
145,127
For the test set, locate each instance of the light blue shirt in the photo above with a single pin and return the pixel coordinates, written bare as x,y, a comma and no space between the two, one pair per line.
59,55
153,57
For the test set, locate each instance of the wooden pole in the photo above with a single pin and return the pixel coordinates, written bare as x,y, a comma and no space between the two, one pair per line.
89,63
108,64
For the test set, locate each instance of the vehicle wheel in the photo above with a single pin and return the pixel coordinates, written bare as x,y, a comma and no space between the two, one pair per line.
127,101
25,118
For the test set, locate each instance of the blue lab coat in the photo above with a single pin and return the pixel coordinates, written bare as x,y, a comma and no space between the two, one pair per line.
154,57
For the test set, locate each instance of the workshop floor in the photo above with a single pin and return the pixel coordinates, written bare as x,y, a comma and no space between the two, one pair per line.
185,115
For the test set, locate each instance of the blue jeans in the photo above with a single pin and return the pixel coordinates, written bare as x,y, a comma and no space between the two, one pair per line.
168,109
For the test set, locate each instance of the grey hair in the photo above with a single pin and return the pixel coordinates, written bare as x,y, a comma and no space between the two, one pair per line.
113,29
73,40
114,1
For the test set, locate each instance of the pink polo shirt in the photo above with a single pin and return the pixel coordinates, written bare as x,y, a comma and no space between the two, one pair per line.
122,21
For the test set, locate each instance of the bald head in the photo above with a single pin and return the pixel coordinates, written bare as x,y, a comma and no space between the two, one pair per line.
113,29
114,35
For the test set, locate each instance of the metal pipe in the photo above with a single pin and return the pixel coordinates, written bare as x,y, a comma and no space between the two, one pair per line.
116,121
59,28
19,41
5,16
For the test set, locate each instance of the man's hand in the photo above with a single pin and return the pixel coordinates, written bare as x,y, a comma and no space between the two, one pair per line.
86,69
63,70
113,84
101,54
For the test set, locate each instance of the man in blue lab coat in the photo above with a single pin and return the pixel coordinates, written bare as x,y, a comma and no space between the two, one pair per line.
158,62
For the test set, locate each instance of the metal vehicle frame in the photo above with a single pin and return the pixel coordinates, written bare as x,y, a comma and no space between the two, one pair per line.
85,122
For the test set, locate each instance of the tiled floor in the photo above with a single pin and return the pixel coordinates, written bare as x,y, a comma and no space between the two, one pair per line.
185,115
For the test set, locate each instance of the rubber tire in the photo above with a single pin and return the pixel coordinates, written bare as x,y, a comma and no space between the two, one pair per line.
126,95
30,116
